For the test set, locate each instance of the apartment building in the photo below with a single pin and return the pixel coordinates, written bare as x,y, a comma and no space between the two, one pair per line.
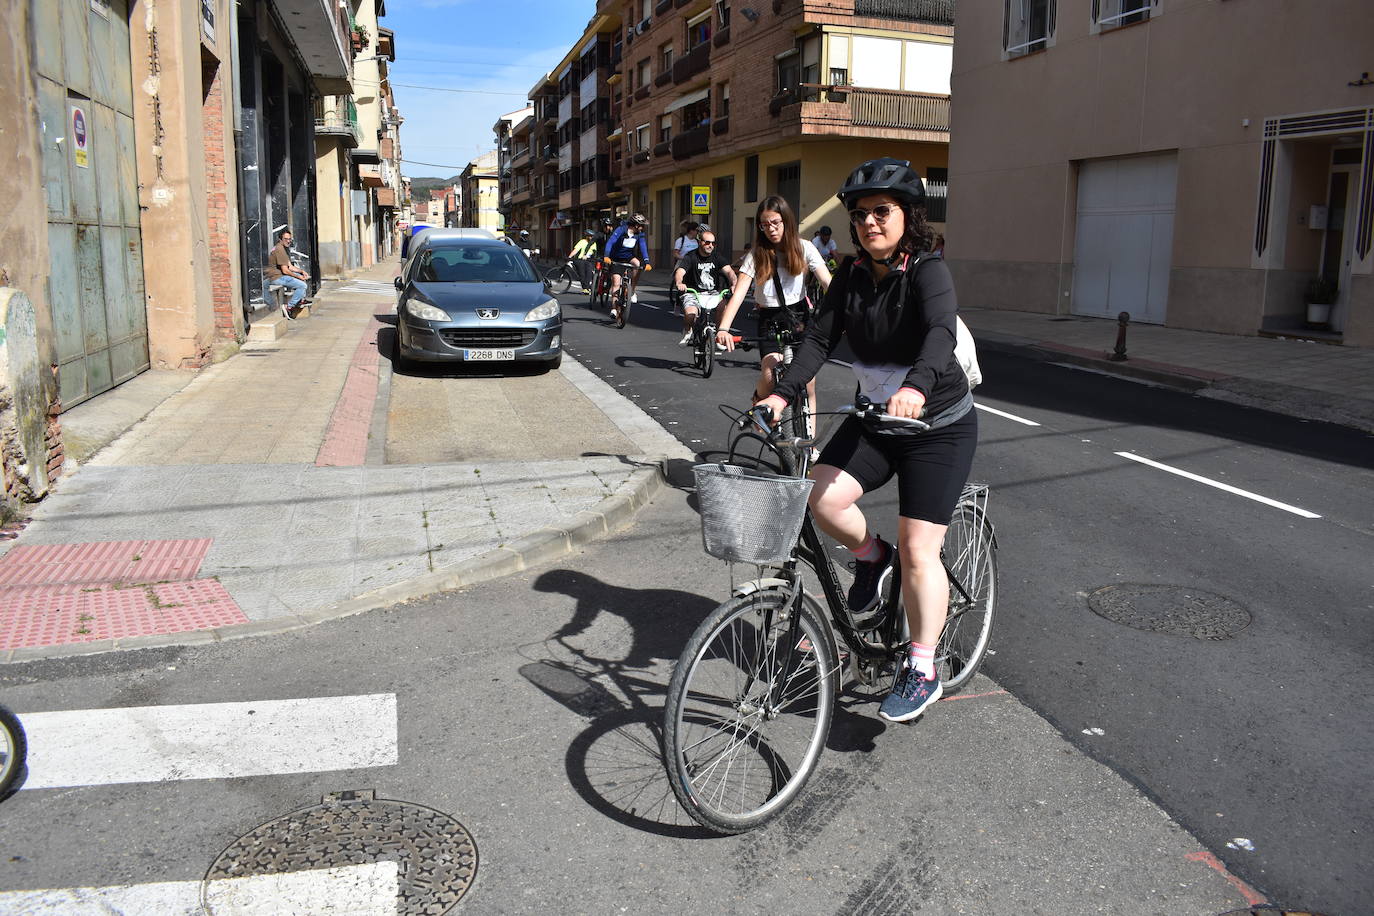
513,163
728,102
357,152
479,194
1194,163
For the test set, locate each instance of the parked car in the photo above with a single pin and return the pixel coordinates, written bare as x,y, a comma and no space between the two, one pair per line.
469,299
419,233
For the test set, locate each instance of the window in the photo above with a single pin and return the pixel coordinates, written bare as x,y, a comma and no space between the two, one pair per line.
646,75
1109,14
751,181
698,30
1029,25
788,65
723,13
646,9
665,128
811,59
723,101
696,114
665,57
642,137
839,60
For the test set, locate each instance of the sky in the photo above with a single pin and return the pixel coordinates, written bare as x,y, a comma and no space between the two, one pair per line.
493,50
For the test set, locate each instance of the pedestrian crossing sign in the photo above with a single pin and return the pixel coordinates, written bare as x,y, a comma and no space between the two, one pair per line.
701,200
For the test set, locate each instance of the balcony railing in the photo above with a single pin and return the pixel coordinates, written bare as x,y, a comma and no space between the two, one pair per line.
937,194
338,120
691,142
939,12
662,149
898,110
692,63
720,125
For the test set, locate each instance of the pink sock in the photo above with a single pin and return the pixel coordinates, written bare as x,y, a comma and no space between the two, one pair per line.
868,551
922,658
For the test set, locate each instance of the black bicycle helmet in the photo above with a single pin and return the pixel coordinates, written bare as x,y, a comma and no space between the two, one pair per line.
893,176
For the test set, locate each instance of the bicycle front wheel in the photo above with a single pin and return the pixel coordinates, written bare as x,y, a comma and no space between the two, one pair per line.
708,350
793,418
620,308
749,709
970,557
560,278
12,750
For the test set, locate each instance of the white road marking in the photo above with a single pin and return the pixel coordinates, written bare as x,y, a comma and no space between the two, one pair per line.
351,890
1008,416
1221,486
88,747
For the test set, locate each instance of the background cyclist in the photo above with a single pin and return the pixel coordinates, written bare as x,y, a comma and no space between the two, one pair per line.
705,270
898,313
826,245
581,256
627,245
778,261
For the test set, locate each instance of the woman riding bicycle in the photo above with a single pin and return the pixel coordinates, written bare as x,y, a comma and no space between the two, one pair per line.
706,270
895,304
627,245
779,262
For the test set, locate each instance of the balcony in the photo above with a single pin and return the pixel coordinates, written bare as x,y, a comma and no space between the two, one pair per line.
691,142
662,7
520,196
856,112
663,78
386,197
520,158
641,157
720,125
663,149
903,110
336,120
722,37
936,12
641,93
387,148
691,63
370,175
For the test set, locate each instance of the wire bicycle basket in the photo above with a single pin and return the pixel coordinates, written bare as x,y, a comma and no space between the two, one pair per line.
749,516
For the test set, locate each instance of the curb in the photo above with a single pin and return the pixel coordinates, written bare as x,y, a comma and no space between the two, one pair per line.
612,514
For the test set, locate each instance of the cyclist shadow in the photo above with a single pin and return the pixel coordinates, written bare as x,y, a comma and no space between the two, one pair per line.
616,762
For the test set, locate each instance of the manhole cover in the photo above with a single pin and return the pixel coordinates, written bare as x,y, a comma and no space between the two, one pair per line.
1171,609
435,856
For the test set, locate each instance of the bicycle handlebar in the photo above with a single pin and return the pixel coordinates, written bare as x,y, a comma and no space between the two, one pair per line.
873,414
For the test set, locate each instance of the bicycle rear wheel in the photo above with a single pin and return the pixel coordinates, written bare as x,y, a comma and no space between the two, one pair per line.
13,748
748,711
970,557
559,279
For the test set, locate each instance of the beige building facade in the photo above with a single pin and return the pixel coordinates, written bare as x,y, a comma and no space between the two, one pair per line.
1194,163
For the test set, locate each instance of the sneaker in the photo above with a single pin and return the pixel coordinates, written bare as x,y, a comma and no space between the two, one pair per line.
686,339
634,298
871,580
910,696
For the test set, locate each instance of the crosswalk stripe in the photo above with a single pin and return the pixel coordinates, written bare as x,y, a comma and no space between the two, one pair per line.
88,747
350,890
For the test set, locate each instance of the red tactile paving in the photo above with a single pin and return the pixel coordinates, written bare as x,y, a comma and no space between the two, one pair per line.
102,561
49,615
345,439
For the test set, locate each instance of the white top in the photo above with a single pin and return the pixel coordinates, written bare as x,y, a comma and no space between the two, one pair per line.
794,288
684,245
827,249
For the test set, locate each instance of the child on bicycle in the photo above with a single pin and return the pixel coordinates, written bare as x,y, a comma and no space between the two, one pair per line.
708,270
895,304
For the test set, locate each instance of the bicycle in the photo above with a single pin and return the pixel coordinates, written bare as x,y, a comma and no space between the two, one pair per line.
750,702
13,750
704,328
560,278
620,296
796,416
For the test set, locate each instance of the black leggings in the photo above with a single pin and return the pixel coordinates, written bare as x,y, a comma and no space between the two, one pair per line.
931,467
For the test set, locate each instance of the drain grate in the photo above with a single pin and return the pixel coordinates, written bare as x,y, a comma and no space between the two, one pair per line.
436,855
1172,609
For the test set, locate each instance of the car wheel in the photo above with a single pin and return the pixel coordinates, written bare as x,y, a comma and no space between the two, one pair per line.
554,363
399,361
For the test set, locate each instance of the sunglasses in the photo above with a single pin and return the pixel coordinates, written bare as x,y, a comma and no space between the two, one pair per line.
881,212
707,243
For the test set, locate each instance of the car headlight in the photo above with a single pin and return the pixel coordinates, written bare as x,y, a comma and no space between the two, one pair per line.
542,312
423,310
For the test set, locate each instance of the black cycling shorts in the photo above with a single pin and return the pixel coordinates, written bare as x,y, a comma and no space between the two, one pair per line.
931,467
775,320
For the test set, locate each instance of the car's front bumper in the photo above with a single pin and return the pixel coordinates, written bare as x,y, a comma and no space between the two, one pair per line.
437,341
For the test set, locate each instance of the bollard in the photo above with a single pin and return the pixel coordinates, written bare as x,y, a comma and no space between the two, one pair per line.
1119,354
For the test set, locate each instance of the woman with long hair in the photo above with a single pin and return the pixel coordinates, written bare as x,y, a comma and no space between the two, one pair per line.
895,305
777,264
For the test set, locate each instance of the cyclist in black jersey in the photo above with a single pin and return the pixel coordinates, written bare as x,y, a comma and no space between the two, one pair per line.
895,305
705,270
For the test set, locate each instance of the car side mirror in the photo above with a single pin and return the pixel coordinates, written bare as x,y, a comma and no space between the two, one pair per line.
399,283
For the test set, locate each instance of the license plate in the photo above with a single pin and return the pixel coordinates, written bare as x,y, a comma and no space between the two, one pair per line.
489,355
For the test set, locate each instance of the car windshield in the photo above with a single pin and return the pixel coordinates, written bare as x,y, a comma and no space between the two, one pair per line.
474,264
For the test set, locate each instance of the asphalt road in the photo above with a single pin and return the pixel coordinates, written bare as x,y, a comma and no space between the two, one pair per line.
1259,740
528,708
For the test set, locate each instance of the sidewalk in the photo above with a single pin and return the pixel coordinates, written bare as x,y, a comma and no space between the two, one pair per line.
254,497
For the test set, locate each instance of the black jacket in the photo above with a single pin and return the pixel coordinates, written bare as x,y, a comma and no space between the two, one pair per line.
904,321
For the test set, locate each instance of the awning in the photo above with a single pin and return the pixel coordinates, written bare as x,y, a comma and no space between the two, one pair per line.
688,99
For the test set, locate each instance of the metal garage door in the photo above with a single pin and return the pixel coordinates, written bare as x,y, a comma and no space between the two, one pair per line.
85,100
1122,251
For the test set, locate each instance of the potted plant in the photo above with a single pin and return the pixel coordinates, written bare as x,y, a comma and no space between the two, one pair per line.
1320,296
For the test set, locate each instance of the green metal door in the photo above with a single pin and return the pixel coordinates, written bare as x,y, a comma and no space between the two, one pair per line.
95,284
